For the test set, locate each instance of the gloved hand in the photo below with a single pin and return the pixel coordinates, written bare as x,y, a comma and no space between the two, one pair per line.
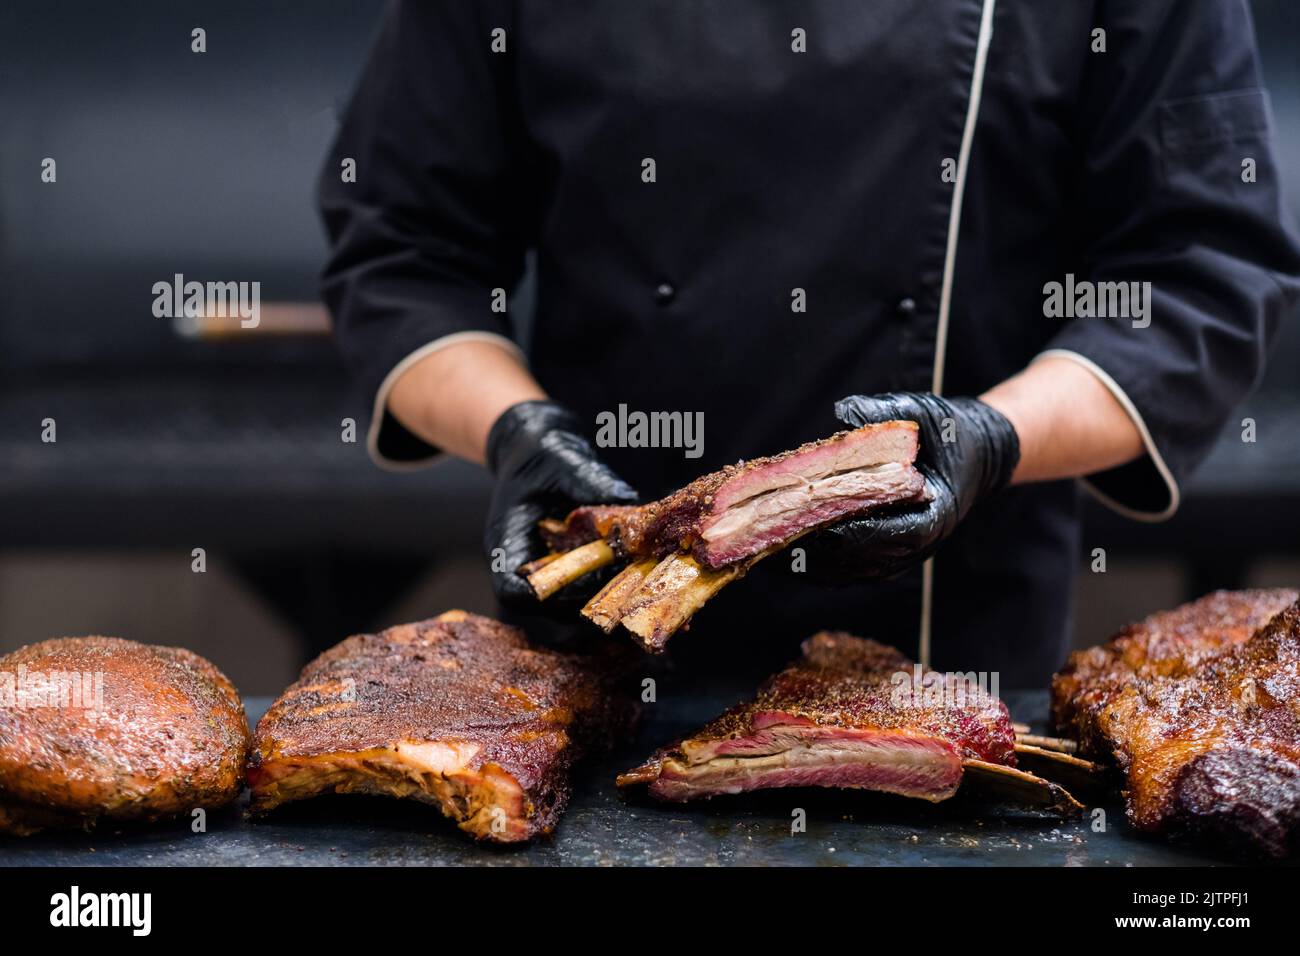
977,459
543,468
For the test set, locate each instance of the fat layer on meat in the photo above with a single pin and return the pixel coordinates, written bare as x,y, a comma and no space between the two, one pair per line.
745,509
459,712
835,719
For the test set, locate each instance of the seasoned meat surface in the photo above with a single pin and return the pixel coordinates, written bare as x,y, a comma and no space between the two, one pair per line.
744,509
458,711
98,728
686,547
837,718
1210,741
1165,644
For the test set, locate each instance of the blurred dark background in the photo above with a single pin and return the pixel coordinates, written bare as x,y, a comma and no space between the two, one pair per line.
170,162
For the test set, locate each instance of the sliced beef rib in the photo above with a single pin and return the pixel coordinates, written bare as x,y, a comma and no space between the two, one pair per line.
683,548
837,718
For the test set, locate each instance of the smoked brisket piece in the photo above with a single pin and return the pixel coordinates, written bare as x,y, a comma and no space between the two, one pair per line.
684,548
458,711
1209,742
836,718
100,728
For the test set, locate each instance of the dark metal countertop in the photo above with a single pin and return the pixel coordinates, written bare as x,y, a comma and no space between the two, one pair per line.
602,827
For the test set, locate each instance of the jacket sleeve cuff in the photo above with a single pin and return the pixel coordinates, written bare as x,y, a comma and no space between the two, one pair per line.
1144,490
390,444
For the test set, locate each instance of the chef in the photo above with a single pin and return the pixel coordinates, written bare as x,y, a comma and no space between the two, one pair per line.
1049,233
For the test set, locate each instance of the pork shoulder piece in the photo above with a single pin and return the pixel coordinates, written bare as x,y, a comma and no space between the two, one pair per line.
1211,747
1165,644
1215,751
100,728
837,718
458,711
752,507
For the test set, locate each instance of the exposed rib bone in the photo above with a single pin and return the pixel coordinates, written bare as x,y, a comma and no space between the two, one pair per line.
1059,744
1019,787
532,566
609,605
1065,769
724,521
670,594
652,599
547,575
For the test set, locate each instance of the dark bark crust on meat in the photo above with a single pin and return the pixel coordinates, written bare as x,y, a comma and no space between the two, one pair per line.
1165,644
1197,707
683,549
670,524
524,716
848,683
586,524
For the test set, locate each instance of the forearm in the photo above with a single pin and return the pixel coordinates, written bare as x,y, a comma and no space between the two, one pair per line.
1069,423
451,397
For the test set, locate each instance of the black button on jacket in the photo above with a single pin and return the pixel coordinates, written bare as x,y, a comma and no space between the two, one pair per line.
668,286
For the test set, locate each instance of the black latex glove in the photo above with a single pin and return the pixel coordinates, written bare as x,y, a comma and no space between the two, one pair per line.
977,461
543,468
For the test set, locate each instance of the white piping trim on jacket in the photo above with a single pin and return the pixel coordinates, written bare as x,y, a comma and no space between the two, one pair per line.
982,45
1126,403
959,190
386,386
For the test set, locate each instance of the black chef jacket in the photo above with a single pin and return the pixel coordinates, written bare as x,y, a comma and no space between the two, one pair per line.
824,171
